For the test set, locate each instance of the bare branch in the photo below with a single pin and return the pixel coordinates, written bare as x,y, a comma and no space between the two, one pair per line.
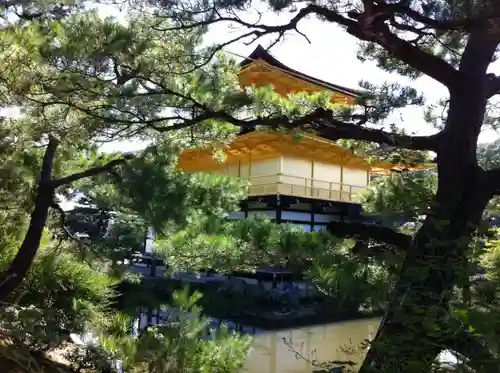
323,122
334,129
369,232
369,25
62,220
108,167
254,34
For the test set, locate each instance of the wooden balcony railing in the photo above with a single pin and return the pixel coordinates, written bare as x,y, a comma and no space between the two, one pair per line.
303,187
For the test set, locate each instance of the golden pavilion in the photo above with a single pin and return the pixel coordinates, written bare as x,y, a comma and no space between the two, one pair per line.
308,181
311,181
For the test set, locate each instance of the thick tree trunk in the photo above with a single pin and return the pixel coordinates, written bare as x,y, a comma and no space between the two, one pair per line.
19,267
412,332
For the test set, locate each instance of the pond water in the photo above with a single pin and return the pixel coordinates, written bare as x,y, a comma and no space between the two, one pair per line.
299,350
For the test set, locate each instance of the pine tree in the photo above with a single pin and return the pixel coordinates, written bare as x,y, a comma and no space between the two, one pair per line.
62,102
454,43
78,80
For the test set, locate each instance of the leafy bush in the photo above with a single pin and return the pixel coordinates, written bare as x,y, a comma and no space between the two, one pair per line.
59,294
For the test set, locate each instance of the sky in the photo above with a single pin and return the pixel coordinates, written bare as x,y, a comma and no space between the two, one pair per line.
329,54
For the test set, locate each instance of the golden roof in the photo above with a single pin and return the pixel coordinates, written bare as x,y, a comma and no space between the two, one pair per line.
261,68
386,167
260,145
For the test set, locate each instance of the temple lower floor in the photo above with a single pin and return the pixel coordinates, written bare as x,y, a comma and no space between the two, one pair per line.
310,214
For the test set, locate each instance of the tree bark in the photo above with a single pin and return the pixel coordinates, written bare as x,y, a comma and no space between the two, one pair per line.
412,332
44,200
17,270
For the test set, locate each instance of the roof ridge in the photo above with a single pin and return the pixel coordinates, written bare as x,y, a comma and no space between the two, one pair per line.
260,53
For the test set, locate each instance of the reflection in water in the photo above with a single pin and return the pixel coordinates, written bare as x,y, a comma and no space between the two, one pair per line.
294,350
298,350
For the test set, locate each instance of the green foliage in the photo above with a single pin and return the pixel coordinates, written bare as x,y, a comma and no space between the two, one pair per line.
185,345
124,235
488,155
241,244
105,74
388,97
482,313
490,259
18,172
268,103
354,283
58,294
404,196
152,187
85,80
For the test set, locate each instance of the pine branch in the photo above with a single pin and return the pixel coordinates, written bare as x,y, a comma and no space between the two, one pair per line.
458,24
323,121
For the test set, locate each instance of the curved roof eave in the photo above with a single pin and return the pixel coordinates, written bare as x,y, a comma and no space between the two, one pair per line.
262,54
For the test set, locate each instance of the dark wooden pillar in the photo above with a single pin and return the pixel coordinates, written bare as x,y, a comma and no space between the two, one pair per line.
313,208
278,209
245,208
149,317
